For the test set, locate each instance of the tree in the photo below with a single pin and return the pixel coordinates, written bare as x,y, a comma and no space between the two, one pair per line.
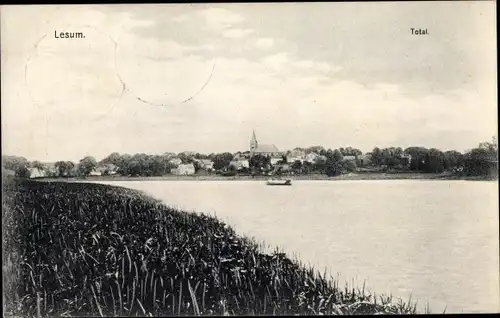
453,160
123,163
86,165
232,168
319,164
15,163
196,165
482,161
307,167
37,165
200,156
436,161
297,166
333,164
158,165
356,152
419,158
487,146
348,166
316,149
61,168
258,162
337,155
113,158
185,158
22,172
65,168
377,157
222,160
333,167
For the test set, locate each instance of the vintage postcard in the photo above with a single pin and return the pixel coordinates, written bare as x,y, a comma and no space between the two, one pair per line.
249,159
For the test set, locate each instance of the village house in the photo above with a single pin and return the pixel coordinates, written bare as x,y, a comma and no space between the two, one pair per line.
298,153
349,158
103,170
37,173
364,160
208,164
240,164
244,163
184,169
311,157
96,172
274,161
205,164
50,170
406,159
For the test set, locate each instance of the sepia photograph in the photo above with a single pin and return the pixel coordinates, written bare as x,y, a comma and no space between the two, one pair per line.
235,159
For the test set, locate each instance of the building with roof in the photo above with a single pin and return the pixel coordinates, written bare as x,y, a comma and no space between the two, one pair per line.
261,149
349,158
205,164
240,164
311,157
364,160
184,169
298,153
37,173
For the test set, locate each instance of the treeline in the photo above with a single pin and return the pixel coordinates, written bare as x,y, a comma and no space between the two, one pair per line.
480,161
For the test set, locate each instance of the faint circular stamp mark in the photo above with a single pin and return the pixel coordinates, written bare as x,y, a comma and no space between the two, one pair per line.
67,73
42,88
154,74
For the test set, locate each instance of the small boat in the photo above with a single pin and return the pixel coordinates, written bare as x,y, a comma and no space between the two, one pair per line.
278,182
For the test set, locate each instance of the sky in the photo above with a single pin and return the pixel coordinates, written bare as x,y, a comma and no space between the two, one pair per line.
201,77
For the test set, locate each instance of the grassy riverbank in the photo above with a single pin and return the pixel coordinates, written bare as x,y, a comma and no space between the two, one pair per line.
89,249
351,176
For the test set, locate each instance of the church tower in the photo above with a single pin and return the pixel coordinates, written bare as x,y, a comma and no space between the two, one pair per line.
253,143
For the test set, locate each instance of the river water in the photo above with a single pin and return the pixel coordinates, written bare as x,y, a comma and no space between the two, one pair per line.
437,241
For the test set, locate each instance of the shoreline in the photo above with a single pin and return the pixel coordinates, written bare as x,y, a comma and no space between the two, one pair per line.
311,177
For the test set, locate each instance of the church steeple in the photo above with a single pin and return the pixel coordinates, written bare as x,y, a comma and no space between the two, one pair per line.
253,142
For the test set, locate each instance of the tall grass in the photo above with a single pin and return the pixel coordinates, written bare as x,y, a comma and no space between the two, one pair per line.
89,249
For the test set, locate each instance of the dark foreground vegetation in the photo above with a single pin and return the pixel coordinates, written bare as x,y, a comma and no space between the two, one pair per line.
89,249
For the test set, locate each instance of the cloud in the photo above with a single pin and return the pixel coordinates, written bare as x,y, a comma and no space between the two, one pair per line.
276,61
291,100
219,18
311,65
131,45
180,18
215,18
349,111
237,33
264,43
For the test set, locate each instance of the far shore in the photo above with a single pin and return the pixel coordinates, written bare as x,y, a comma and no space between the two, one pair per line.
319,177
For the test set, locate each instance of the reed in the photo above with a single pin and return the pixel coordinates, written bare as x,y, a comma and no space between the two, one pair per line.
100,250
